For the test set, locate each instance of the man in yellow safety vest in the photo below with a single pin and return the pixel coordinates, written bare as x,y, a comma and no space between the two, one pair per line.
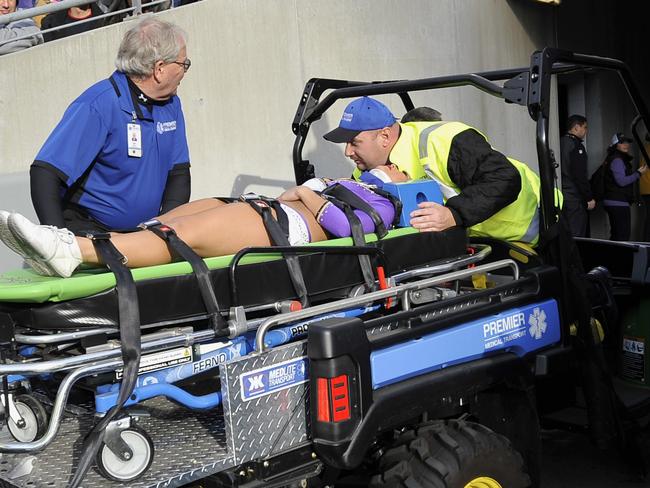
483,190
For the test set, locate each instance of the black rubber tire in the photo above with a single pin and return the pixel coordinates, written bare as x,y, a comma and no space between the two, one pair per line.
37,415
450,454
137,439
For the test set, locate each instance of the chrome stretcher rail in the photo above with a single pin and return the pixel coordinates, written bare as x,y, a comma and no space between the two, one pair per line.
453,263
175,338
93,363
399,290
62,336
59,406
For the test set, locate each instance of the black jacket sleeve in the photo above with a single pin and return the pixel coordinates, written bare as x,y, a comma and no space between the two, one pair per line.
567,145
488,182
177,189
574,162
579,173
46,186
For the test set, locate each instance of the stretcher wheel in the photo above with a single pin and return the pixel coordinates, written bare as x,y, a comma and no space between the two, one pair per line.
110,466
34,417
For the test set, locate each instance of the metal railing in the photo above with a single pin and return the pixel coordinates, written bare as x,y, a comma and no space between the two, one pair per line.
137,8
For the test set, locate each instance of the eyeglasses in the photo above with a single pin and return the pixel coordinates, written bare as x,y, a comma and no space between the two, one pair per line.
185,64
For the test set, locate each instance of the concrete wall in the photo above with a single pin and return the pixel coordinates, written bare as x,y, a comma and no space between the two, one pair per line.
603,28
251,59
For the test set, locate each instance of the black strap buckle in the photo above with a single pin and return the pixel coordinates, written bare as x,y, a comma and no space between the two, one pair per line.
98,237
251,197
149,223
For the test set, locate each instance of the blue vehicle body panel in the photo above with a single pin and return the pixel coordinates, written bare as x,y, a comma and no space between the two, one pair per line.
518,330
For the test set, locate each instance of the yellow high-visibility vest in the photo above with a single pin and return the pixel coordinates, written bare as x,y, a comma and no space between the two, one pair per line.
422,151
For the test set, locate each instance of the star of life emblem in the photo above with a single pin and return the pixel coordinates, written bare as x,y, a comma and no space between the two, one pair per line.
537,322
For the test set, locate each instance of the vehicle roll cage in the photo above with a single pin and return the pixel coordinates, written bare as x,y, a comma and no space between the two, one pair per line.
527,86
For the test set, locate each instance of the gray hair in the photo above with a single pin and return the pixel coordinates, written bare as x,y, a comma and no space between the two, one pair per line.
149,41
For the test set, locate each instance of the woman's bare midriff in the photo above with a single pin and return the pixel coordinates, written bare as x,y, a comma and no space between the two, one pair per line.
315,231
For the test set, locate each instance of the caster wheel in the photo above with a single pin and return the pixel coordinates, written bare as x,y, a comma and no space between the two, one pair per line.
34,417
110,466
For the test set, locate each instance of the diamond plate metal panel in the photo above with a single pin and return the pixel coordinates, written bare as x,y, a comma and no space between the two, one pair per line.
270,424
188,445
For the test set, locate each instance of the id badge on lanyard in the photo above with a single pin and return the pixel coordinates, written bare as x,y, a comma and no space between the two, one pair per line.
134,140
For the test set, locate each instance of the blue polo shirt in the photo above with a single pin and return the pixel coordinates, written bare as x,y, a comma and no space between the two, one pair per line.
89,148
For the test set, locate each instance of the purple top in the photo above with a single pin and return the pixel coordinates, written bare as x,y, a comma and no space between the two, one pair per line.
617,166
334,221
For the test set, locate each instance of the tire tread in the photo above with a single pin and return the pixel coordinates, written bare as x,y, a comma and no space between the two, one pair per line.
445,454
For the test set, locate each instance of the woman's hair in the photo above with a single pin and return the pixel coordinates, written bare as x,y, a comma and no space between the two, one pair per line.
149,41
613,150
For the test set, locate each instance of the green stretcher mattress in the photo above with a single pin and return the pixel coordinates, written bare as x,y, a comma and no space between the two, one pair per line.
170,292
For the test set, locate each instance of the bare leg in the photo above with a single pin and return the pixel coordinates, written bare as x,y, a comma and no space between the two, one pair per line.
191,208
142,248
217,231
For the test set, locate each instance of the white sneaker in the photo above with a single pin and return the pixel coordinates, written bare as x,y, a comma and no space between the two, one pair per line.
10,241
5,234
55,249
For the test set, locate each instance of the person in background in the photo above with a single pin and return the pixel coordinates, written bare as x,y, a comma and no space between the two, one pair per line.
107,6
71,17
119,156
11,34
578,199
644,190
620,177
421,114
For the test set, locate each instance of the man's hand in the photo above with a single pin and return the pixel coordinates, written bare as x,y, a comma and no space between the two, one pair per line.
643,168
591,204
431,216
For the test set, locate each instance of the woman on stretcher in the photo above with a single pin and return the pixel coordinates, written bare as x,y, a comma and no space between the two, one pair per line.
210,227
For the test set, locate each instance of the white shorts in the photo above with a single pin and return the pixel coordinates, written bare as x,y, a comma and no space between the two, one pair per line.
298,229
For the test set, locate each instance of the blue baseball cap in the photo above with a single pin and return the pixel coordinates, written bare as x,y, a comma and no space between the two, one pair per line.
361,114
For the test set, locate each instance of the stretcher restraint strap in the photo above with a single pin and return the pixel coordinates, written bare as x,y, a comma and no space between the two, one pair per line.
396,202
278,231
129,317
358,238
281,224
345,195
5,345
348,201
199,267
5,383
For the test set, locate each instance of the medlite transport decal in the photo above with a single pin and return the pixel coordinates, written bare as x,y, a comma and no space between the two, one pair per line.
273,378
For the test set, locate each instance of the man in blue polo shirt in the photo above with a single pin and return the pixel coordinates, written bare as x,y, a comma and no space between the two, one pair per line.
119,155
